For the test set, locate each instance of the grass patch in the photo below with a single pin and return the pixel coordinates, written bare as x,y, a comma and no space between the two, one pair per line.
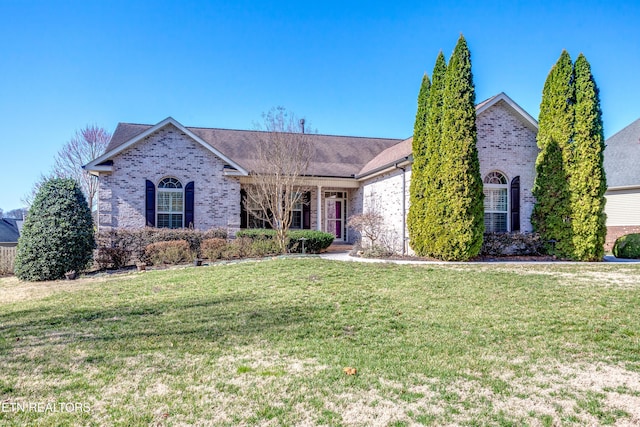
266,342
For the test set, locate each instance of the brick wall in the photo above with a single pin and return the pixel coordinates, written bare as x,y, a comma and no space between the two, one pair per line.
506,145
168,153
383,194
613,232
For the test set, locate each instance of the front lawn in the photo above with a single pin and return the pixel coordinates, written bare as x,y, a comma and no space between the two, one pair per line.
266,343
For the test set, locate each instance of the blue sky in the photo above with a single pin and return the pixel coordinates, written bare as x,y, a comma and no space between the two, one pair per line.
349,67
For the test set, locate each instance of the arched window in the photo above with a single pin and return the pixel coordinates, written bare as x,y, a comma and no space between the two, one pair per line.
170,204
496,202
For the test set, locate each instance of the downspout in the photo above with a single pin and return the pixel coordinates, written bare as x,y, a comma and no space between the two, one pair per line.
404,209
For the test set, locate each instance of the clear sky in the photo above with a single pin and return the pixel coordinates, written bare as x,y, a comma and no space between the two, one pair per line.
349,67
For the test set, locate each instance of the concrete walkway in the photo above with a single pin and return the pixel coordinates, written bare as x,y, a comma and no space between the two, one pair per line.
344,256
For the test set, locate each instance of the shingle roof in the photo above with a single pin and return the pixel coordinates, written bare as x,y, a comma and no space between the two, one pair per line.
404,148
8,230
334,156
622,155
388,156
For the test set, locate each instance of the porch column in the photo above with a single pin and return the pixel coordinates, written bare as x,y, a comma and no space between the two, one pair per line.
319,208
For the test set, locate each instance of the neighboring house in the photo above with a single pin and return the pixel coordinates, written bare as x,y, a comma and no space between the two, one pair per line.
169,175
621,164
9,231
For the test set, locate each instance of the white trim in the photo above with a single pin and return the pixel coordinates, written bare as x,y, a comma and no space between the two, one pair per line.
624,187
99,170
343,214
507,188
390,167
313,181
319,208
530,121
91,166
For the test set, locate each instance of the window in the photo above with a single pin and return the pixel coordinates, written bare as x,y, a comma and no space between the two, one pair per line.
170,204
496,203
255,216
296,213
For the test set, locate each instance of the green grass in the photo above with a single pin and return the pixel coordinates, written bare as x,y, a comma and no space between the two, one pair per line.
266,342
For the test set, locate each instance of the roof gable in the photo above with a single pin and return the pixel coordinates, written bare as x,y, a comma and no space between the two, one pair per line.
127,135
401,151
520,113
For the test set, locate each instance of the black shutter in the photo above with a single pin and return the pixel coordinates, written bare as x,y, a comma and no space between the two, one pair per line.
243,209
188,205
306,210
515,204
150,204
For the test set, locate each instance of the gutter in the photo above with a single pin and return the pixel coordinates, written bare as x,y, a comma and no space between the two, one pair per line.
405,161
404,207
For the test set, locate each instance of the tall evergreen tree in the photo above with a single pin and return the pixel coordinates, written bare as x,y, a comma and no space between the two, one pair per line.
587,180
433,203
552,212
416,188
462,225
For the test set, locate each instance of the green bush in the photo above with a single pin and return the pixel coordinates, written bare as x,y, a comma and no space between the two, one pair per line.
57,236
627,246
264,247
171,252
316,242
257,233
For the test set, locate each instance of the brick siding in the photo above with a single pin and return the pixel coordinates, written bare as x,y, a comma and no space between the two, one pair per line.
168,153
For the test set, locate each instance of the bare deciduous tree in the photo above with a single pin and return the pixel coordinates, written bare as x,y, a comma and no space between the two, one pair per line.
28,198
19,213
283,154
87,144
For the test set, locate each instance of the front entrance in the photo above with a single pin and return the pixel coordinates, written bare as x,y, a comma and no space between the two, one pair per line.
335,208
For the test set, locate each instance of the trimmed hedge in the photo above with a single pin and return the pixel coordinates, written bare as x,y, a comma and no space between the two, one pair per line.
316,242
627,246
169,252
120,247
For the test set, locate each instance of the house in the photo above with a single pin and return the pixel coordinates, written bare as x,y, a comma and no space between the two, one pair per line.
9,232
169,175
621,158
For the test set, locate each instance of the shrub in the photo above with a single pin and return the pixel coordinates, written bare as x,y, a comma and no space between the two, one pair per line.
316,242
261,247
370,226
57,236
512,244
171,252
257,233
213,248
135,241
627,246
112,257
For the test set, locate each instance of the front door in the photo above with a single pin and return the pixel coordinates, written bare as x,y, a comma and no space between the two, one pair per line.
335,209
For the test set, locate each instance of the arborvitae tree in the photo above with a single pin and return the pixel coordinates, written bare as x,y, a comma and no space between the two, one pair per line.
462,225
552,212
57,236
433,202
416,188
587,181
